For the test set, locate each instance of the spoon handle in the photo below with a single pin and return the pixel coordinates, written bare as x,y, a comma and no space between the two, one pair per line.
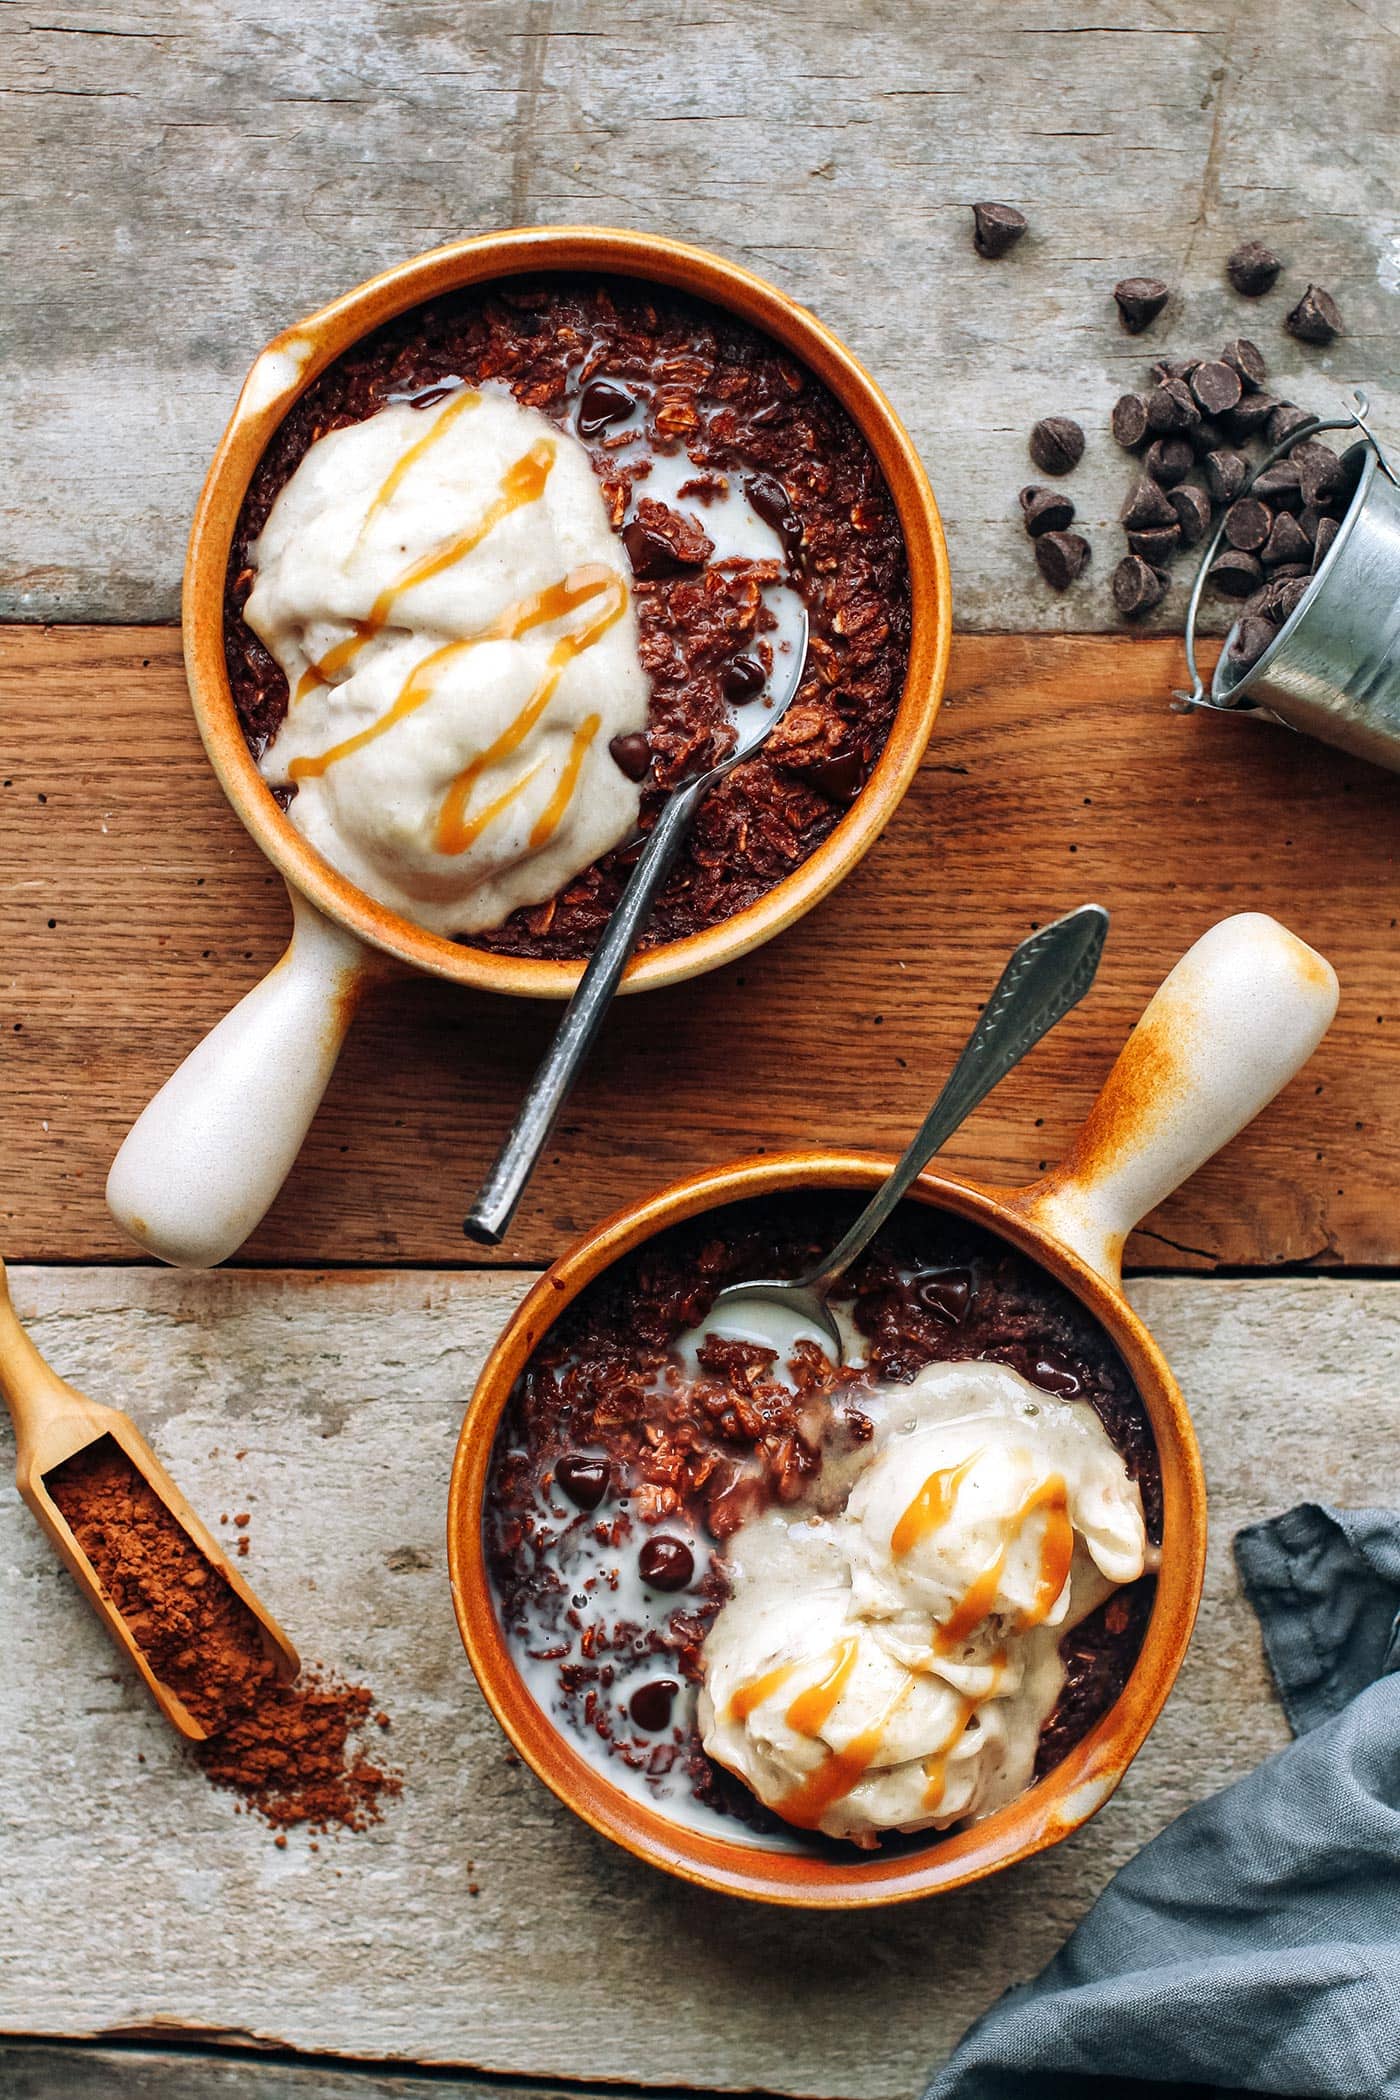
1047,975
553,1082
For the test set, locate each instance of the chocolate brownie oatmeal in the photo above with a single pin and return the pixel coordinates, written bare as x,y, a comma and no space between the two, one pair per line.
733,479
635,1459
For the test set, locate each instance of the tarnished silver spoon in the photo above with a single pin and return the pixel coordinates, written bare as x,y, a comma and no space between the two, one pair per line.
552,1084
1047,975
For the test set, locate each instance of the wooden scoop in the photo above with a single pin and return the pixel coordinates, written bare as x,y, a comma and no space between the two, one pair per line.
52,1423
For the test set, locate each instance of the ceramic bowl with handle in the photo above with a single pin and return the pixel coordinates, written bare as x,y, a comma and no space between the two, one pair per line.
1234,1021
208,1155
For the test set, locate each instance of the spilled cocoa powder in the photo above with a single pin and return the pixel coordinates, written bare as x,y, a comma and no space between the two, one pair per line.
285,1750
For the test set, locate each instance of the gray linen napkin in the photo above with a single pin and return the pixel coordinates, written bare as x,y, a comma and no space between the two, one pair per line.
1254,1946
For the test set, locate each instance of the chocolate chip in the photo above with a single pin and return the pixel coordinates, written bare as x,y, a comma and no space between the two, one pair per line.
583,1480
430,396
1146,505
995,229
1235,574
1140,300
1315,318
1319,471
1251,638
773,504
743,679
1290,595
1172,407
1128,421
1247,359
666,1563
1157,544
840,778
1286,542
1252,269
1137,586
1288,570
1279,485
1057,444
1192,507
1286,418
650,1705
1045,510
1249,417
651,553
1216,386
1169,460
1173,368
602,402
1247,524
1309,517
1054,1373
1060,557
1226,474
1327,530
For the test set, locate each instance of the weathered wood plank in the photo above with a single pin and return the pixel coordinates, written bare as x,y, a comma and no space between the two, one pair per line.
134,1896
133,909
179,182
55,2071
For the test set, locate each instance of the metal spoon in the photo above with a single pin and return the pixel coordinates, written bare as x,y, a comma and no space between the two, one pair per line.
53,1422
1046,976
552,1084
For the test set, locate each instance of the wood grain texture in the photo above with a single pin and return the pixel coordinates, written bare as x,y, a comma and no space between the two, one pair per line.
180,181
134,910
342,1395
55,2071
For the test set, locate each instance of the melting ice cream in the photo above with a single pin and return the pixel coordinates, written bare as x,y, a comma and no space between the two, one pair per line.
442,588
891,1666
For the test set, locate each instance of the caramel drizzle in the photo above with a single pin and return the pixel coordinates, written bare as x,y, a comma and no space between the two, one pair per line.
936,1765
812,1709
522,483
841,1770
440,425
453,833
933,1505
747,1697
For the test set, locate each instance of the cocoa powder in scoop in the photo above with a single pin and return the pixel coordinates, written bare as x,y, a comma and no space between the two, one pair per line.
286,1750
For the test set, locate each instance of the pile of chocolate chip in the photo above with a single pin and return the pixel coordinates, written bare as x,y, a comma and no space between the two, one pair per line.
1196,416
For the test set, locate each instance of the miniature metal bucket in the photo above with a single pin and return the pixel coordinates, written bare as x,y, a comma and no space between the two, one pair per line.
1333,669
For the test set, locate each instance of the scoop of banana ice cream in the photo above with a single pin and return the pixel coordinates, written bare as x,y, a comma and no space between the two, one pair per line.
444,592
891,1666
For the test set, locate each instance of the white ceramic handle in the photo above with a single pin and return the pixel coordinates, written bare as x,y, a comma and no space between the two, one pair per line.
1240,1014
206,1158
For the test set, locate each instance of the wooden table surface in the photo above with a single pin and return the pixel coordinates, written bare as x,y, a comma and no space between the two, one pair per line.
180,180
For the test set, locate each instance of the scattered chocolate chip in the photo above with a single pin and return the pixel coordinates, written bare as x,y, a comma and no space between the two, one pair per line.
1286,418
1169,460
995,229
840,778
1060,557
1172,407
1226,474
773,504
666,1563
1045,510
1173,368
1216,386
651,553
1235,574
1192,507
947,1294
1057,444
1279,485
1251,638
1286,542
602,402
583,1480
1140,300
1315,318
1247,524
1249,417
1128,421
1252,269
1247,359
1147,505
1290,595
1053,1374
631,754
1319,471
1157,544
1327,530
1137,586
743,679
650,1705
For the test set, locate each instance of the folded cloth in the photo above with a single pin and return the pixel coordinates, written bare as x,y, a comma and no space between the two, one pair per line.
1253,1947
